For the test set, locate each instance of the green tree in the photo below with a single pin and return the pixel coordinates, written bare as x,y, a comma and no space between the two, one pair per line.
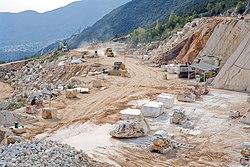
2,62
138,35
209,7
240,8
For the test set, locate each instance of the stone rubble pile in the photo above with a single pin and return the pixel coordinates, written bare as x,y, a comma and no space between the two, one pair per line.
33,78
44,153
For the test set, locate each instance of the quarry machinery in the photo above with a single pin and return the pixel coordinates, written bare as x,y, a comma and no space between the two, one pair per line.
63,46
119,69
245,152
161,142
109,52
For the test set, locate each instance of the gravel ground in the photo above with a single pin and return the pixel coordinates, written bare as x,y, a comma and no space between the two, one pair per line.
44,153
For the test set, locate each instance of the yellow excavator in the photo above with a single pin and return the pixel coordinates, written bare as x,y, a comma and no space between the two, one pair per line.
109,52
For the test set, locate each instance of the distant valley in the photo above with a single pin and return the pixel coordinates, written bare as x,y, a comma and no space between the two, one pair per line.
22,34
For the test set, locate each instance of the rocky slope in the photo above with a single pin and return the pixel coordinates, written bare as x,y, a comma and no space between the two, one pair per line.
197,42
183,45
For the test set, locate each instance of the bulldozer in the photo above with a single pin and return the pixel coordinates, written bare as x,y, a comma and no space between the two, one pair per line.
109,52
119,69
245,152
161,142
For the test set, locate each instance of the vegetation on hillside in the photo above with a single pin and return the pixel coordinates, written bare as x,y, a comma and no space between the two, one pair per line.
164,28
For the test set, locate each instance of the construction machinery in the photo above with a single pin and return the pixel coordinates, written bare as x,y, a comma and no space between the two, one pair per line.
179,116
119,69
245,152
161,142
109,52
63,46
184,71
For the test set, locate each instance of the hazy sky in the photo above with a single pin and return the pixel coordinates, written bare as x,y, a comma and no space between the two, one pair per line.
37,5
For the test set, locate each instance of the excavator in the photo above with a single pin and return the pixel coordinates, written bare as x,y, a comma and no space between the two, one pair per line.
63,46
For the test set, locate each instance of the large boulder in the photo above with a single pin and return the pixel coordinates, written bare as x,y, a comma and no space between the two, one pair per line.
129,129
186,97
131,125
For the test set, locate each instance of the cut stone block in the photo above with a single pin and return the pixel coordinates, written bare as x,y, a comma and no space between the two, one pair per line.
152,109
234,114
97,83
129,129
49,113
166,99
129,113
82,90
164,68
71,93
246,118
186,97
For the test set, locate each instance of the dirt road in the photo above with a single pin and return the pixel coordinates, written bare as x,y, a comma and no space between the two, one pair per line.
216,138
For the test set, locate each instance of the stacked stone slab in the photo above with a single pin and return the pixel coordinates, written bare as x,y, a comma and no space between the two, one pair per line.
152,109
166,99
131,125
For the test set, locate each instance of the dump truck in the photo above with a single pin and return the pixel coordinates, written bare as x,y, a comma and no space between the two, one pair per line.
161,142
109,52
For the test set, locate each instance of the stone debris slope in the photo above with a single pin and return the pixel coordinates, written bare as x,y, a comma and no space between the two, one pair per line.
44,153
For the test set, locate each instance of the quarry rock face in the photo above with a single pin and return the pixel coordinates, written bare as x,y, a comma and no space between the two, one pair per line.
197,42
235,73
226,38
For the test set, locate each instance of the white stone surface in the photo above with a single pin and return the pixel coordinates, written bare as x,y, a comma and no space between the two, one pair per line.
131,114
235,73
166,99
246,118
82,90
152,109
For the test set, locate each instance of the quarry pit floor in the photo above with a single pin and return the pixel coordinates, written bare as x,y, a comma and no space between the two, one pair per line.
85,122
